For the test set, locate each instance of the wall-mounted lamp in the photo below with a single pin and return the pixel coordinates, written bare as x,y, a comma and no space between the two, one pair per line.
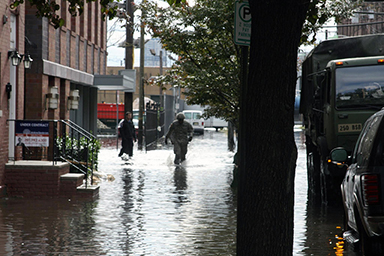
16,58
27,61
73,100
52,98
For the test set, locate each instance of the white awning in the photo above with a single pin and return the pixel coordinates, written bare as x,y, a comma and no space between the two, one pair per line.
125,81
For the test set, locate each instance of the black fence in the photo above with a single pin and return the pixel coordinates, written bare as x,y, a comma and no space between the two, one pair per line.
154,125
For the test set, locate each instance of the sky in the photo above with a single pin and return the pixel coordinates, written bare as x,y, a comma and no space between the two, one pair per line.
116,34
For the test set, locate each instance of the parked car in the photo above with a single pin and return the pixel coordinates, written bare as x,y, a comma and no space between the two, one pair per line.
363,188
195,119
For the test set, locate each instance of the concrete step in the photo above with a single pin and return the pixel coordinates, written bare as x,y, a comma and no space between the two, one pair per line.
69,183
89,191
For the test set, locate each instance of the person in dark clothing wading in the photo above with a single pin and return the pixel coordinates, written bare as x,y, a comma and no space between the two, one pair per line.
180,132
128,135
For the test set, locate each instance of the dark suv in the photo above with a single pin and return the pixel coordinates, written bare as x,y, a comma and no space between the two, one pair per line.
363,188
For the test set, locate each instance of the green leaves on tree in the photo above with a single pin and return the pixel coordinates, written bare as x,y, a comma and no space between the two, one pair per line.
208,60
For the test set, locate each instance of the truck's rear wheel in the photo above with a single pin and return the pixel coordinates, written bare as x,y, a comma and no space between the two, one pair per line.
326,182
330,185
313,172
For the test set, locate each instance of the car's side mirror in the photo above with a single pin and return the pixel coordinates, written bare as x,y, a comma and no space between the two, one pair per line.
339,156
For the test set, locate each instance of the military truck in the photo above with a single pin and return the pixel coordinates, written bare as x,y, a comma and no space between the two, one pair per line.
342,86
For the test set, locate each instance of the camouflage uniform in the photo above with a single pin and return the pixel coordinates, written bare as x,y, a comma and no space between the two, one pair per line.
180,132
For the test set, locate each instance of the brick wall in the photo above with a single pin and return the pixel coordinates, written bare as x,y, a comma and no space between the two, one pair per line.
34,181
36,89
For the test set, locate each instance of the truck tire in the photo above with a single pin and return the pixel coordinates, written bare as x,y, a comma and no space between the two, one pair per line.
330,185
313,172
326,183
323,181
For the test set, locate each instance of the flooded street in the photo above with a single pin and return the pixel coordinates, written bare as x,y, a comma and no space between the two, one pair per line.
151,207
317,228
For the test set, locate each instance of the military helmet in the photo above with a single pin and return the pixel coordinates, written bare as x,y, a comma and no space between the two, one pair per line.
180,116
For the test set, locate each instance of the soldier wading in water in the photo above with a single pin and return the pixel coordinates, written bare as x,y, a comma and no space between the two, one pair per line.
180,132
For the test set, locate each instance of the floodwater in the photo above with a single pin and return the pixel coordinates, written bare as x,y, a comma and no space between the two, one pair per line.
150,207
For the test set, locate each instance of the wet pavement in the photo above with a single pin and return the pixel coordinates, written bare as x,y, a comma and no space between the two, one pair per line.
150,207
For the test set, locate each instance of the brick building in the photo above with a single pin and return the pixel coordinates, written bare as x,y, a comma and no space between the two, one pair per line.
65,62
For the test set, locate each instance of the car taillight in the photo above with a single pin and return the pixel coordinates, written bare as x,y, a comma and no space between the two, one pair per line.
370,183
202,123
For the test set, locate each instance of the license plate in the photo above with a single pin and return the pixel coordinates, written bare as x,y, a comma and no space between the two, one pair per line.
195,123
349,127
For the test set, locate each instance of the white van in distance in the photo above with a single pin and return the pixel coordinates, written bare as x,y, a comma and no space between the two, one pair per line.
194,118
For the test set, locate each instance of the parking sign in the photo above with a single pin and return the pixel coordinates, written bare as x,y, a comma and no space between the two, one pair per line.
242,23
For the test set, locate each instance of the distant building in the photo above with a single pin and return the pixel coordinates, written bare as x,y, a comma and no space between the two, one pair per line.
151,90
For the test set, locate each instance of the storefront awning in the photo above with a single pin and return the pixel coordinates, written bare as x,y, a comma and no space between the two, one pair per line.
125,81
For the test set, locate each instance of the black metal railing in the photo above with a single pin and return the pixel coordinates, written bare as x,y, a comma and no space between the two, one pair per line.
77,147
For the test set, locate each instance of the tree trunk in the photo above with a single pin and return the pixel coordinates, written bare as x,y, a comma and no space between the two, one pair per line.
231,139
267,148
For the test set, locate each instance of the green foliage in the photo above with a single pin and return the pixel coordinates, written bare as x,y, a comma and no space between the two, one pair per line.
175,2
202,36
208,65
72,148
75,7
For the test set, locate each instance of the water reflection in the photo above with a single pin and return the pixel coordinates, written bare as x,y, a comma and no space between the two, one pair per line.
155,208
180,181
35,227
318,229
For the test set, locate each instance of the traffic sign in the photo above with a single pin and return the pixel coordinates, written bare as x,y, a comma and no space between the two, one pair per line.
243,22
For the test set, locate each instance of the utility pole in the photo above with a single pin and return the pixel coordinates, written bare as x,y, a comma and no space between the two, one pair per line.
161,86
141,88
129,36
128,96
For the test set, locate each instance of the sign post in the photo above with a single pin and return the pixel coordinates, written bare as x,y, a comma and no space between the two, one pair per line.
243,21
